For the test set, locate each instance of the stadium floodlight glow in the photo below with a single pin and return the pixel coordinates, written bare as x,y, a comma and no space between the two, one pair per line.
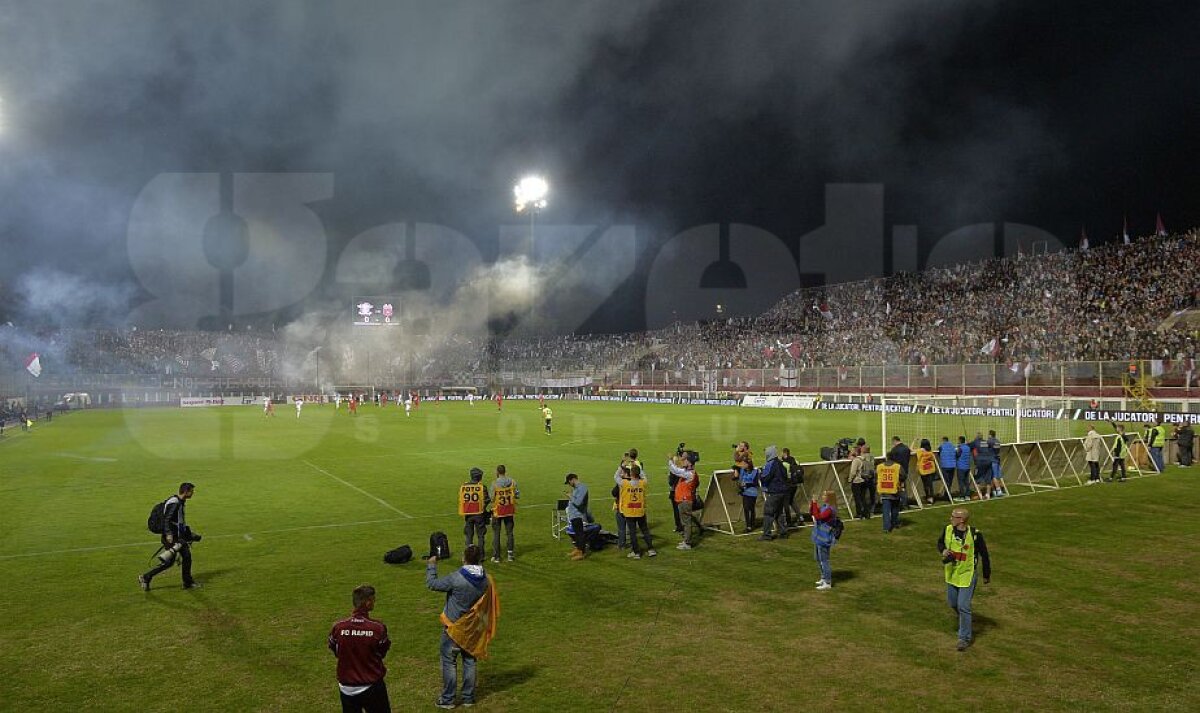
530,193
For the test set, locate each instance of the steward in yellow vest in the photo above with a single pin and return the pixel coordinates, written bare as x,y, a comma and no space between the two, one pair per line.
473,504
963,550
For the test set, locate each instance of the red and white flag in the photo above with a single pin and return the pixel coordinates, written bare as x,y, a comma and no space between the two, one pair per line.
1125,230
794,349
34,365
1159,228
1083,241
1015,367
924,366
1028,368
823,308
992,348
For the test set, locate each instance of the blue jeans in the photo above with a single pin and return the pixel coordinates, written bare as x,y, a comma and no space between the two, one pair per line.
621,536
822,556
891,514
959,599
1157,457
450,651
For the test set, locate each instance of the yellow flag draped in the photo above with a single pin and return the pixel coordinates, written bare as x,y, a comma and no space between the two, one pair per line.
475,629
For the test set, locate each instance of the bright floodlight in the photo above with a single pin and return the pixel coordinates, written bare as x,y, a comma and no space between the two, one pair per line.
531,193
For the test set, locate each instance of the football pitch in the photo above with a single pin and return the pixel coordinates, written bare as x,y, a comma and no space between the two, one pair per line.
1093,603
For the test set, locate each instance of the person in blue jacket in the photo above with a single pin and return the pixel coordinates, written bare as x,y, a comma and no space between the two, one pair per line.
948,462
962,464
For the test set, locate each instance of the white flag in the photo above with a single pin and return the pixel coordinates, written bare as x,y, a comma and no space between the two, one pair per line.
34,365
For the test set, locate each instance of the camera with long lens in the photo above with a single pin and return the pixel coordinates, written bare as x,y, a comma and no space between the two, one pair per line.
167,555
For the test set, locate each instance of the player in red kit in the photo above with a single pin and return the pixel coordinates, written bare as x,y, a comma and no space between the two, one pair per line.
360,643
499,400
353,404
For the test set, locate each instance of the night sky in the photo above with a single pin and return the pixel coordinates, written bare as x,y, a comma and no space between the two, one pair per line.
664,116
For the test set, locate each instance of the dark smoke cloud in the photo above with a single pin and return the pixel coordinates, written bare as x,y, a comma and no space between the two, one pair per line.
656,113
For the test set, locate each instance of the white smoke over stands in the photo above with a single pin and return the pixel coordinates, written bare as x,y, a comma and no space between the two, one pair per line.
425,111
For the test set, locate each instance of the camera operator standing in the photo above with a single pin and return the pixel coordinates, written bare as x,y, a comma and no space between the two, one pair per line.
176,539
672,480
685,491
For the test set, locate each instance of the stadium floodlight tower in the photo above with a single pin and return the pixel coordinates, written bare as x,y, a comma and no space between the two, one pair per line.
530,194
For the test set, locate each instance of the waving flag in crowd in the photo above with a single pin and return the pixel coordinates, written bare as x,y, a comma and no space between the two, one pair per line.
34,365
1159,228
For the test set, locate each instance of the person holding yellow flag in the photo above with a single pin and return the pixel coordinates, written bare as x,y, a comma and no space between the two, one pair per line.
963,549
468,619
887,483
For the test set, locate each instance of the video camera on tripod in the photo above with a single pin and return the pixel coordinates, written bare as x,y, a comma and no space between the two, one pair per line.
840,451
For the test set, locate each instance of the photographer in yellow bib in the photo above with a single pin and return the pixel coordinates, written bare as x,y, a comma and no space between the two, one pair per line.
963,552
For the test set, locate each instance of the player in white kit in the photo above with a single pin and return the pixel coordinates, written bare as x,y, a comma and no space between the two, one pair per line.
299,405
408,406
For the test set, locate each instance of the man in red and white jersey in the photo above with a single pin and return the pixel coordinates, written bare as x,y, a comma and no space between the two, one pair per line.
360,643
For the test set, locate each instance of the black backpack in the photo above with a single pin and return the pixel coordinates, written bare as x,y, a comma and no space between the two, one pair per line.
400,555
157,519
439,546
837,527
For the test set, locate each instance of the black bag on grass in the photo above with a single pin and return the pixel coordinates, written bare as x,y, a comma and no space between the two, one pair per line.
439,546
400,555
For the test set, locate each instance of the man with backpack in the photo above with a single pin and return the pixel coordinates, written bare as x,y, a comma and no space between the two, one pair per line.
167,520
962,547
827,528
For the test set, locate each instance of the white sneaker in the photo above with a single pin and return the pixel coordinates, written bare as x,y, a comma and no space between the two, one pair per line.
819,581
510,557
683,546
633,556
1091,482
824,585
651,553
496,560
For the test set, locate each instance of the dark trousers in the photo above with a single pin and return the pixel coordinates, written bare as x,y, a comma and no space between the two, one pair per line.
792,512
871,496
773,516
185,559
675,509
499,523
547,425
1117,463
475,528
580,536
927,486
635,524
372,700
1093,470
862,506
1185,454
749,510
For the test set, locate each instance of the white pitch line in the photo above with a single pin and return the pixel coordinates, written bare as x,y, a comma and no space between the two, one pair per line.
352,486
87,458
248,536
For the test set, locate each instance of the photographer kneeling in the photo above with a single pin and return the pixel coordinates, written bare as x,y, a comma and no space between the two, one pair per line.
176,539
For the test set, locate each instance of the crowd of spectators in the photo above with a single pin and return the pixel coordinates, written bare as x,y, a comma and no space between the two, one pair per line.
1103,304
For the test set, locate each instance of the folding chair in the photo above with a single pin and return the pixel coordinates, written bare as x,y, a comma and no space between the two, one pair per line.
558,519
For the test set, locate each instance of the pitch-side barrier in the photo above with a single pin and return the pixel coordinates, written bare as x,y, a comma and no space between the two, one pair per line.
1033,466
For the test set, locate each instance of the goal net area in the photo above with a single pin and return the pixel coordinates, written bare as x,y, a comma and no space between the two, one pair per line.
1015,419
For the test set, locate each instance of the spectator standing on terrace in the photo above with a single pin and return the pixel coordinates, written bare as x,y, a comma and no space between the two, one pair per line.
1092,447
360,643
963,550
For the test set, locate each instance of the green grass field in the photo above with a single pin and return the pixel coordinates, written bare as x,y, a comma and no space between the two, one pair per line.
1092,605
